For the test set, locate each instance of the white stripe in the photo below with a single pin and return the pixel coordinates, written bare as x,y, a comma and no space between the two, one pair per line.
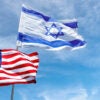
19,69
33,57
9,52
45,46
12,58
17,77
31,22
36,64
60,48
66,47
68,20
30,57
49,47
34,44
16,64
14,80
19,56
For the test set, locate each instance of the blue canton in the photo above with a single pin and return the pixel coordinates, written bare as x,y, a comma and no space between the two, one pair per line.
55,31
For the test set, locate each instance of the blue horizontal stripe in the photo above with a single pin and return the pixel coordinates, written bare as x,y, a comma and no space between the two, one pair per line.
34,13
71,24
54,44
46,18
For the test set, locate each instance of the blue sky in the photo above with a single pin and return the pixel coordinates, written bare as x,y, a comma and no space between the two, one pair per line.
62,75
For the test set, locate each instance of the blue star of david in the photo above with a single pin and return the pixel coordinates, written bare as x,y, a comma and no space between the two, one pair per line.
55,31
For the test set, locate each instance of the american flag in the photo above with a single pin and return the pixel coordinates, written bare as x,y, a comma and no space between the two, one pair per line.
17,67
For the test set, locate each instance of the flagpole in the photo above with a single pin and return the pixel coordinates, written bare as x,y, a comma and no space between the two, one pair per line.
12,91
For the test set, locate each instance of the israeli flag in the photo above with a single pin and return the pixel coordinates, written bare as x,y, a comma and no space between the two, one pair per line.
37,29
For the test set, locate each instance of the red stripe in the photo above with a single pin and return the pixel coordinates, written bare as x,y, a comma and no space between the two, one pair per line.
33,54
5,50
17,60
35,61
19,73
14,61
21,66
28,82
11,55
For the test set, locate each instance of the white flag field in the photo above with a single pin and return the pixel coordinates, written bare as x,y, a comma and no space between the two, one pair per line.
37,29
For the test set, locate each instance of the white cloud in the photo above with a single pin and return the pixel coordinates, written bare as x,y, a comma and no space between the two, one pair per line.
23,95
8,42
13,6
63,9
94,91
65,94
73,93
